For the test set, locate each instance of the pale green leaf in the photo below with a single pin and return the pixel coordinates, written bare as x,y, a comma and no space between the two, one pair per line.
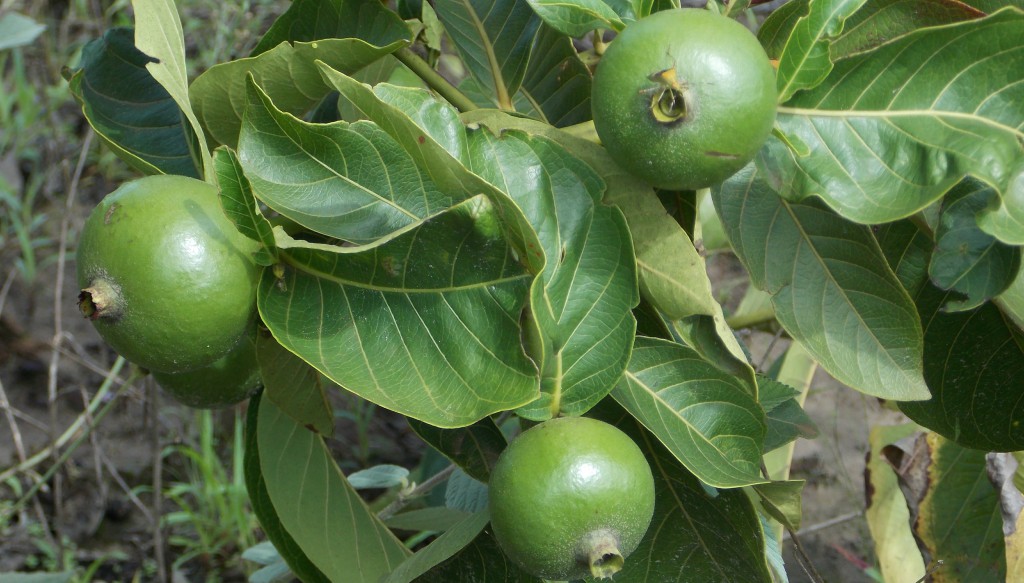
17,30
579,17
158,34
831,288
316,505
887,514
310,20
1011,301
782,500
441,549
707,418
891,130
288,74
805,60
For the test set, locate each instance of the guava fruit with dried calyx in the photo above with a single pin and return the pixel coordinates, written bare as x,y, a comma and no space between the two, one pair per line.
571,498
166,278
228,381
684,98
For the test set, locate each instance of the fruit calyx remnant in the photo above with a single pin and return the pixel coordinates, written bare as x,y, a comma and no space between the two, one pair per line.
672,102
101,299
602,554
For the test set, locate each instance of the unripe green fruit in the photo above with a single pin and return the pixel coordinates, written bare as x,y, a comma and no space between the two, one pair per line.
684,98
166,278
226,382
571,497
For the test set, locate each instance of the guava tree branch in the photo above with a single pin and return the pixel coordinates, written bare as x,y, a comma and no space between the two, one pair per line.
434,80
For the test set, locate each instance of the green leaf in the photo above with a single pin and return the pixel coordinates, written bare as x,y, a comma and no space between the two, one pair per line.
18,30
708,419
775,30
465,492
1011,301
494,39
441,549
128,109
1006,222
316,505
426,129
263,507
973,362
158,34
61,577
310,20
907,250
830,287
437,339
381,476
474,448
349,181
873,24
482,561
698,533
240,205
294,386
557,83
966,259
433,518
805,60
880,21
671,273
782,501
887,514
288,74
786,418
957,516
578,17
582,300
891,130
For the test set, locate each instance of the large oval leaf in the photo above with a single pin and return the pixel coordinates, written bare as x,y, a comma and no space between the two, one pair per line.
966,259
891,130
263,507
289,75
830,287
425,323
494,38
698,533
707,418
348,181
316,505
129,110
974,363
582,300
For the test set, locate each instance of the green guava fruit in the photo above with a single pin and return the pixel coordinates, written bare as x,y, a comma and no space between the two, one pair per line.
228,381
684,98
166,278
571,497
